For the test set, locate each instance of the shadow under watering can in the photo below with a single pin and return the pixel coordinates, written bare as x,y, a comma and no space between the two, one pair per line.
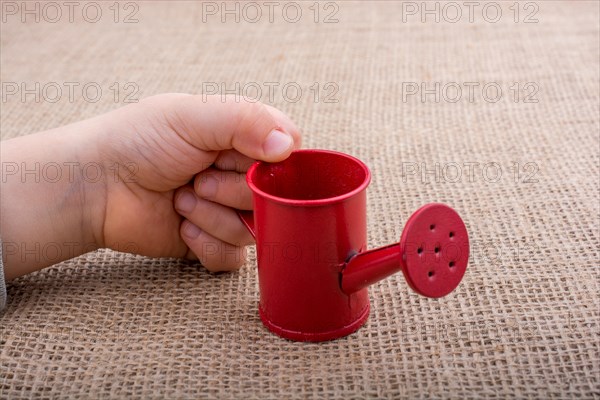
310,226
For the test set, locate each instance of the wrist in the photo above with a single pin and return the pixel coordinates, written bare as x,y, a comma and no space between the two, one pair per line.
50,199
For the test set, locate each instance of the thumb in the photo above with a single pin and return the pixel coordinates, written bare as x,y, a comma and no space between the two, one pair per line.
215,123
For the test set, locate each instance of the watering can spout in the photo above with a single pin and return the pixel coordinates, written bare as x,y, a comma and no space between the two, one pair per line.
369,267
433,253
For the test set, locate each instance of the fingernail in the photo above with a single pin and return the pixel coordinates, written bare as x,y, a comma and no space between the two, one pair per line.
207,187
277,143
191,231
185,202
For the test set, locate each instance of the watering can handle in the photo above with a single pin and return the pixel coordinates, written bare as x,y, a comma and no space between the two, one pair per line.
247,217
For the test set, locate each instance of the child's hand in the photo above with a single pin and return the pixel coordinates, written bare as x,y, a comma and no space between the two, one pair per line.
170,139
167,159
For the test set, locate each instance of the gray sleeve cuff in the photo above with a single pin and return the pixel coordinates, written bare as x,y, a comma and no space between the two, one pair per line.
2,283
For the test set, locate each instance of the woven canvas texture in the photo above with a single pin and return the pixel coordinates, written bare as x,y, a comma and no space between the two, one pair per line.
523,172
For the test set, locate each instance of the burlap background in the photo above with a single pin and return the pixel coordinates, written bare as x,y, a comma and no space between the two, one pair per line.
525,320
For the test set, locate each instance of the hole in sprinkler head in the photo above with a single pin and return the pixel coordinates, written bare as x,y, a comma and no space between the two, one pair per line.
451,264
430,274
451,234
431,227
419,250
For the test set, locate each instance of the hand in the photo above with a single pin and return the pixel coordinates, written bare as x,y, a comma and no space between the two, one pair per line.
173,170
172,138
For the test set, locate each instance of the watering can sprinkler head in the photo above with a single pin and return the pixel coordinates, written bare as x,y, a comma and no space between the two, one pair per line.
433,253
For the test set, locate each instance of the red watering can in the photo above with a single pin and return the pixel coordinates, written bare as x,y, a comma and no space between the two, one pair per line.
310,226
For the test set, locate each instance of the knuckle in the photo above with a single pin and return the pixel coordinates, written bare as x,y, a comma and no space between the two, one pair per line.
240,239
230,259
251,115
211,219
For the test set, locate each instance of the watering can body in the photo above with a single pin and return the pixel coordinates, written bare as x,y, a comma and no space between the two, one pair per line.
301,252
310,226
